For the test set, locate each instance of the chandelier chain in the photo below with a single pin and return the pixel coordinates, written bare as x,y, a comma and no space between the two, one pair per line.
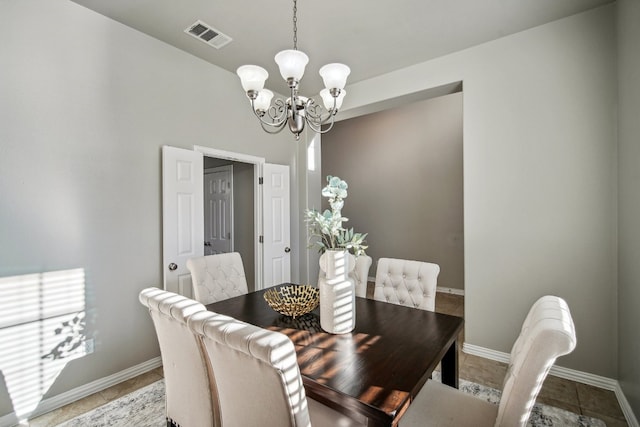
295,24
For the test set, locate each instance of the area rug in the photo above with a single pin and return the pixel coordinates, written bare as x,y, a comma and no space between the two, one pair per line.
145,408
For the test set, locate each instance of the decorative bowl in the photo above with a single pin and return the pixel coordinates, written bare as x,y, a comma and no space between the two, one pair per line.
293,300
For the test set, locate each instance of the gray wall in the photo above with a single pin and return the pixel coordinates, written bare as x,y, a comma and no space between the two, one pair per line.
404,170
243,212
629,198
539,177
84,112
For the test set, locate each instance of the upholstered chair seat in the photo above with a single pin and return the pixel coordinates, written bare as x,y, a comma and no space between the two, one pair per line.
191,397
217,277
408,283
547,333
258,377
360,274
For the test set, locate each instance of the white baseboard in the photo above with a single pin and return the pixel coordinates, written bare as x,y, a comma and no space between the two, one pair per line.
568,374
453,291
626,408
85,390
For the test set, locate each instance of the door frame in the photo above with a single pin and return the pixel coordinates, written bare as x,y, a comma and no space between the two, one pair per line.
258,164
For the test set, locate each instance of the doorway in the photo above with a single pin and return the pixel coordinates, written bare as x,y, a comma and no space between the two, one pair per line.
183,216
229,226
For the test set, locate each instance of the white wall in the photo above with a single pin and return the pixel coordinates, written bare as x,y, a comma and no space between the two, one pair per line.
539,177
629,206
85,106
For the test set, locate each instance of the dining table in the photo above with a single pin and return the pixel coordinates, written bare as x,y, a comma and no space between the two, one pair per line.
373,373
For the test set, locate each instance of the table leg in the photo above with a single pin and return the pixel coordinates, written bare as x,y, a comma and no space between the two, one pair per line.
450,366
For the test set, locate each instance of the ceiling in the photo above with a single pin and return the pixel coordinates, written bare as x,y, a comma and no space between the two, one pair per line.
373,37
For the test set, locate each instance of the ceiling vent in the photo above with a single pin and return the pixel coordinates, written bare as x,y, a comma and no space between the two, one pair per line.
207,34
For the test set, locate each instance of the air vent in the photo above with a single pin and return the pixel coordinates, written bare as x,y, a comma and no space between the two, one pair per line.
207,34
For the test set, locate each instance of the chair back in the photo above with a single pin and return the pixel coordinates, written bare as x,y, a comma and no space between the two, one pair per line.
360,274
217,277
191,396
409,283
256,373
547,333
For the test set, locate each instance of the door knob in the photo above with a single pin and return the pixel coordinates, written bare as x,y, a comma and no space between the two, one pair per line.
287,249
173,266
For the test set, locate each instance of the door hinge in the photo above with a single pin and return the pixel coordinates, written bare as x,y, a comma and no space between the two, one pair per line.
261,239
261,180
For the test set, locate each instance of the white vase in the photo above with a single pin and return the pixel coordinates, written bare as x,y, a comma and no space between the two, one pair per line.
337,292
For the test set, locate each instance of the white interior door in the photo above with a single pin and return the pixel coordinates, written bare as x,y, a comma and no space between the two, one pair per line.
183,216
218,210
277,227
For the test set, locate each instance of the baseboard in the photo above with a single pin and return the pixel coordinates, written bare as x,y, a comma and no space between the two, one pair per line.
453,291
568,374
85,390
626,408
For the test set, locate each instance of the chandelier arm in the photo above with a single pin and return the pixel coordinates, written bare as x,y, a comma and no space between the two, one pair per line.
281,106
315,112
317,127
271,129
277,120
312,111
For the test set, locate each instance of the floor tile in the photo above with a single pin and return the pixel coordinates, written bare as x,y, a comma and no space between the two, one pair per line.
599,401
159,371
559,389
483,371
128,386
69,411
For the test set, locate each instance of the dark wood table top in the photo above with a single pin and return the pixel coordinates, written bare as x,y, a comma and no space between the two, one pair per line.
374,371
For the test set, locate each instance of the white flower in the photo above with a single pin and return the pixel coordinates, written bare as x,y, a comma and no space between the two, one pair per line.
327,226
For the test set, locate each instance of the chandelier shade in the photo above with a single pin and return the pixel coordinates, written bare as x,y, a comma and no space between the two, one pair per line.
328,99
263,101
335,75
292,64
252,77
295,111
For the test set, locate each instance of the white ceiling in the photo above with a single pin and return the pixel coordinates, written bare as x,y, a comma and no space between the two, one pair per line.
373,37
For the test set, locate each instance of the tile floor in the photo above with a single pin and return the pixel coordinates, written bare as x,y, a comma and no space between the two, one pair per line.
561,393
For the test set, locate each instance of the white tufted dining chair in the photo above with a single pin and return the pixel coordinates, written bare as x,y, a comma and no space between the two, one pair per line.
259,366
409,283
360,274
547,333
217,277
191,396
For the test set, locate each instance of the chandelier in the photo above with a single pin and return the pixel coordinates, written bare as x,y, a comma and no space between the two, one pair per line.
295,110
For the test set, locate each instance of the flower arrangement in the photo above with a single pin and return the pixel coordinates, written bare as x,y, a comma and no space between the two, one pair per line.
327,227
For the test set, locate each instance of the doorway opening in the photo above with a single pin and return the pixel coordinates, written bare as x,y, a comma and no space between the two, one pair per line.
244,221
229,211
